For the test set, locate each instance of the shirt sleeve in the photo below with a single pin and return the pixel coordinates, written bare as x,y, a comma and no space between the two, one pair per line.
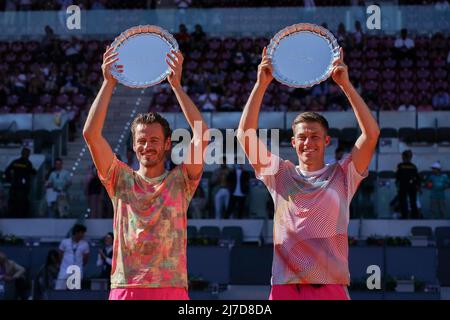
267,174
85,248
353,177
191,184
99,262
62,246
110,181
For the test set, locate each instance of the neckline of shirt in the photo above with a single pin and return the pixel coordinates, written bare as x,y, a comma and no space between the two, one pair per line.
309,174
155,179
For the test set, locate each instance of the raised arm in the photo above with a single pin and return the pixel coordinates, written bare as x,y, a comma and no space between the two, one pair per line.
365,145
101,151
195,157
248,124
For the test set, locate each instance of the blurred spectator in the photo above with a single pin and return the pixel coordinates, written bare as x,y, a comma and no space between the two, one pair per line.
408,183
104,258
342,36
58,181
183,37
73,251
19,174
437,182
47,275
357,37
94,194
12,277
220,189
404,45
49,37
441,100
198,38
239,181
198,204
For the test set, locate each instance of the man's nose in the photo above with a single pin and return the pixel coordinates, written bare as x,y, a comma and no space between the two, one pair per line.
148,146
308,141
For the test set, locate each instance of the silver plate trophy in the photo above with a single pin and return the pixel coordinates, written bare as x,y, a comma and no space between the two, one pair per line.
302,55
142,52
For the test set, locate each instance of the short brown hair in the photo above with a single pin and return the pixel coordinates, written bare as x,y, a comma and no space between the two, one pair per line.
311,117
149,118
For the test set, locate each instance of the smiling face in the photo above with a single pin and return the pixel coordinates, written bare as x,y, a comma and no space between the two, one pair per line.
309,141
150,145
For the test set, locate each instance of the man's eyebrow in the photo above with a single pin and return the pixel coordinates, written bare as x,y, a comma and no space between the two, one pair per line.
303,133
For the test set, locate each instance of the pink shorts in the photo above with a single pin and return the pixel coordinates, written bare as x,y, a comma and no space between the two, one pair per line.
149,294
309,292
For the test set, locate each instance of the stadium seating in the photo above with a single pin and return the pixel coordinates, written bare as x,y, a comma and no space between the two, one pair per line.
442,235
422,231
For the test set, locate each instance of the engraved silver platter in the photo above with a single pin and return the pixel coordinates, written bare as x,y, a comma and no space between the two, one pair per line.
142,52
302,55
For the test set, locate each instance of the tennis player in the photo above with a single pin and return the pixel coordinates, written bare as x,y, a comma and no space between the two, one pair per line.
150,204
311,198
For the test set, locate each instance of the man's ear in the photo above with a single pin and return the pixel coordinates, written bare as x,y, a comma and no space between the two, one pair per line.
327,140
293,142
168,144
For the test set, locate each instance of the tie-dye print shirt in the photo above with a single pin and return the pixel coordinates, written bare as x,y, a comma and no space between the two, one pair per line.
149,226
311,221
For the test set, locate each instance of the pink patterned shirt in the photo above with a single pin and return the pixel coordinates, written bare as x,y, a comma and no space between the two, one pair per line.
150,223
311,221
